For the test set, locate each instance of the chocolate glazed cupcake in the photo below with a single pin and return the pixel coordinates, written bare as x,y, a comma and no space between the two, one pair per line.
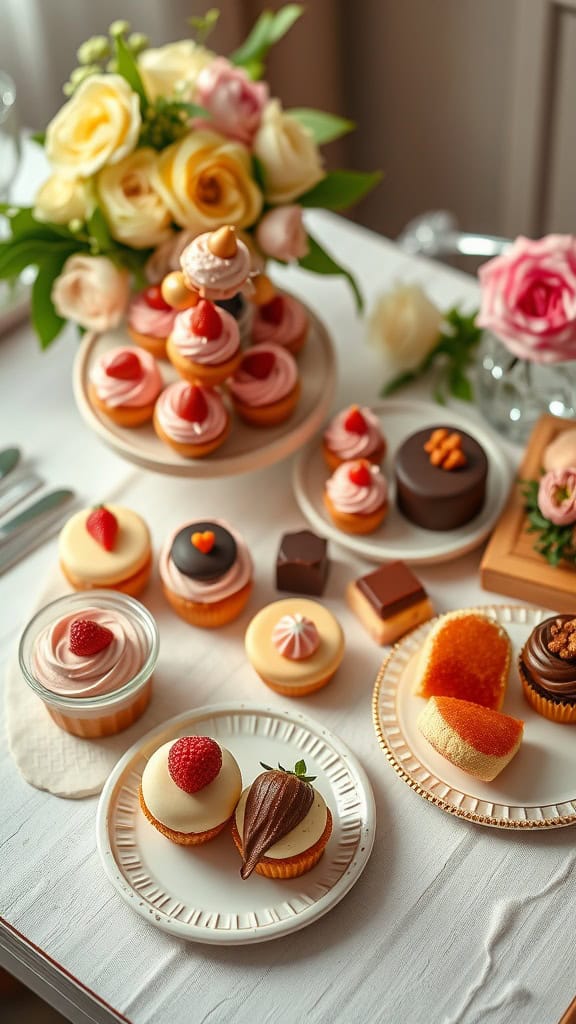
547,667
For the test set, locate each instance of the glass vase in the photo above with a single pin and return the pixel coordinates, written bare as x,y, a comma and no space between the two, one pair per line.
513,393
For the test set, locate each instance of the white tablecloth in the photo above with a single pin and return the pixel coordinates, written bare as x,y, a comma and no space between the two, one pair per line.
450,922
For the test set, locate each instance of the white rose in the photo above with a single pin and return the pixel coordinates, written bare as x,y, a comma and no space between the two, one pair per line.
290,158
92,292
60,200
135,212
172,70
406,325
99,125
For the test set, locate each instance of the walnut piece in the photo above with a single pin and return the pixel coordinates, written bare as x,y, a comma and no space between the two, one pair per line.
563,639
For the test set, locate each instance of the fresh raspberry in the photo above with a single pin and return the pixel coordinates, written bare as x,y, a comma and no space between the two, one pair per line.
206,320
359,473
194,762
273,311
154,298
103,526
125,366
355,422
87,637
192,405
259,364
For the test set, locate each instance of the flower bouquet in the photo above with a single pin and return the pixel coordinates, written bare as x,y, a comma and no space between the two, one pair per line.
156,146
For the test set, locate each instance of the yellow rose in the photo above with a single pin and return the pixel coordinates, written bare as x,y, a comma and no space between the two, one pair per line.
99,125
290,158
61,200
172,70
136,214
406,325
206,181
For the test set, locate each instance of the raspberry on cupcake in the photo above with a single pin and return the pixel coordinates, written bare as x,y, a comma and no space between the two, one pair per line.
356,497
204,345
354,433
192,419
189,789
124,385
150,320
281,824
265,389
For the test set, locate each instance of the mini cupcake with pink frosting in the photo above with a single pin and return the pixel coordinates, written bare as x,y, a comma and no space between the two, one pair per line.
206,573
124,384
204,345
265,389
216,264
281,321
356,497
192,419
354,433
150,320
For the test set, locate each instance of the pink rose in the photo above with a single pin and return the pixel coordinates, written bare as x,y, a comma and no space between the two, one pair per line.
557,496
234,102
281,234
92,292
529,298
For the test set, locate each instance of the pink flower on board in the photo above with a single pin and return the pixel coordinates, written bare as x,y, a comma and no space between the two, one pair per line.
557,496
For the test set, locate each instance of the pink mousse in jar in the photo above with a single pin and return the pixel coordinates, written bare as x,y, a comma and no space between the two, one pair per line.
90,658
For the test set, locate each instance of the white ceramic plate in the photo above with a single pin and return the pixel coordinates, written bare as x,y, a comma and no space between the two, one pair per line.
247,448
536,790
397,537
197,893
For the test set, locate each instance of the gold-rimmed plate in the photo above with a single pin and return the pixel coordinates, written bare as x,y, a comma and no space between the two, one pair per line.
536,790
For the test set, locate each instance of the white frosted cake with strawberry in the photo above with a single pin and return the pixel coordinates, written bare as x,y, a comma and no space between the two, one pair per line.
189,789
107,546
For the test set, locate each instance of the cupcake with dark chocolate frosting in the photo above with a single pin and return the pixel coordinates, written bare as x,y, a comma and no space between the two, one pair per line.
281,824
547,668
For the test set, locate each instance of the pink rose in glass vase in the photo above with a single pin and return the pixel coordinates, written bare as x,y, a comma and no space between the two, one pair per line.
233,101
557,496
529,298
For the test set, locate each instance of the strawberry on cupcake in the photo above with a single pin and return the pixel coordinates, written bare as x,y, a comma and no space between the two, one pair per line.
356,497
107,546
192,419
204,345
124,385
150,320
189,789
354,433
265,389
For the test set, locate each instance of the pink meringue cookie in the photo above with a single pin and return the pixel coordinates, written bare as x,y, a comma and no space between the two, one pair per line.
295,637
215,277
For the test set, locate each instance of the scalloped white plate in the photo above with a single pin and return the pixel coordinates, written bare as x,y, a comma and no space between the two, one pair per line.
247,448
196,893
536,790
397,537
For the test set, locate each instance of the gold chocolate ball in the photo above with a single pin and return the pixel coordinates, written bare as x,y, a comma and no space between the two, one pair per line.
176,293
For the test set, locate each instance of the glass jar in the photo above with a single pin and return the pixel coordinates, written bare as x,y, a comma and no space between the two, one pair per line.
513,393
106,710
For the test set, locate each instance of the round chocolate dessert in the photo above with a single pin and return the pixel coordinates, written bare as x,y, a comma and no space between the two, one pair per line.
548,667
440,478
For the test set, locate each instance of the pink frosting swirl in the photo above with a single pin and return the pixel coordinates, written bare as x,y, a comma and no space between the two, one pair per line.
292,325
142,318
348,445
279,382
296,637
208,351
213,276
346,496
214,590
72,675
185,431
133,393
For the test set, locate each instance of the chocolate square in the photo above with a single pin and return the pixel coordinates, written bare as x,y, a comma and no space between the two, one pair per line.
391,589
302,563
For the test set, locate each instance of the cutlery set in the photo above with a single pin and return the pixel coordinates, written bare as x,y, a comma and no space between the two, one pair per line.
24,531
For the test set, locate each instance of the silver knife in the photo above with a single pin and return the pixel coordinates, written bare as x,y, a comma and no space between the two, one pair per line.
41,524
16,488
9,458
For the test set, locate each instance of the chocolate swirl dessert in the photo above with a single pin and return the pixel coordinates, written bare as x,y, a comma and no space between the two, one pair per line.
547,668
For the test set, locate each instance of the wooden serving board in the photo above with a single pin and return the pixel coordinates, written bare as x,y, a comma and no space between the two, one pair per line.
510,565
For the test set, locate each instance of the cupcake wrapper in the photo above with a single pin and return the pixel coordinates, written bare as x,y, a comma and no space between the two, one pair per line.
209,616
181,838
553,710
289,867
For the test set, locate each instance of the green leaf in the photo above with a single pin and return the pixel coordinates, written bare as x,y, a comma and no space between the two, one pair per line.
23,224
203,26
397,382
16,256
39,138
322,126
320,262
128,68
300,768
258,173
46,321
268,29
340,189
99,231
460,386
